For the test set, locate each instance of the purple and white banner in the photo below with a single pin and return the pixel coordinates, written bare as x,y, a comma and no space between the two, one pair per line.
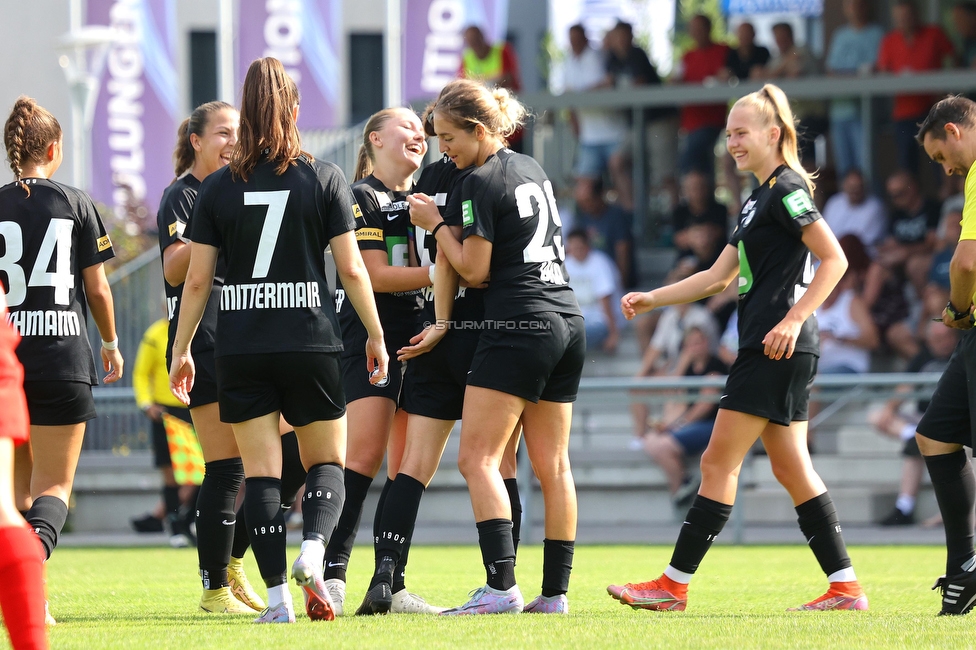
433,39
137,113
304,35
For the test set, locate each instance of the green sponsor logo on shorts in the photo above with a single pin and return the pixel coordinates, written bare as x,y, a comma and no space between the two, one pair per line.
467,214
798,203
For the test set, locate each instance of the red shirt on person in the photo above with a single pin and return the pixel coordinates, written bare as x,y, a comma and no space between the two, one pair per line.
14,421
699,64
927,50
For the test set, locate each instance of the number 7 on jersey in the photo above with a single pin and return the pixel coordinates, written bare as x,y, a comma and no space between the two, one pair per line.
276,202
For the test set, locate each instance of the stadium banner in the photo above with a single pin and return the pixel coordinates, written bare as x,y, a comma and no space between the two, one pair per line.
137,111
305,36
433,39
753,7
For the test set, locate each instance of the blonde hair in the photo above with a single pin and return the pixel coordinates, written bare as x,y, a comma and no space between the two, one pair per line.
367,157
773,109
468,103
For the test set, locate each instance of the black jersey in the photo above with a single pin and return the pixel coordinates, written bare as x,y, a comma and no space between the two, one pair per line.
383,224
775,266
175,209
273,231
46,239
509,202
442,182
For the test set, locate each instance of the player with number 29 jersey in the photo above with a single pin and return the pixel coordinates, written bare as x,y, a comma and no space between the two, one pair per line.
775,267
48,237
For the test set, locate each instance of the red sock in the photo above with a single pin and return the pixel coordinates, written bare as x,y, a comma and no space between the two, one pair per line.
22,588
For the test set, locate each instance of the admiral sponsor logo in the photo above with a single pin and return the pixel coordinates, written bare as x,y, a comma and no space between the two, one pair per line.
357,211
104,243
270,295
369,234
172,229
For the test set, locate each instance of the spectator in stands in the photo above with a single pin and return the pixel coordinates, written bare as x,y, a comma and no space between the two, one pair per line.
847,333
747,60
853,50
793,61
853,211
609,228
685,427
697,206
662,352
912,47
629,67
904,257
964,20
593,277
900,424
599,131
493,63
701,124
937,290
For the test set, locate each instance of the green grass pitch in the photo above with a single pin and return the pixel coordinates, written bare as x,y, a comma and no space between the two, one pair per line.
147,598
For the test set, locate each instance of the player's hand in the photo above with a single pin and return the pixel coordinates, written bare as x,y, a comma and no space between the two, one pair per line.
423,211
377,360
112,362
422,343
637,302
154,412
961,324
181,376
781,340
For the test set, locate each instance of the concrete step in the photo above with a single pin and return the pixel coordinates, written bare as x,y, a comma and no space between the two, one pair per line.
860,439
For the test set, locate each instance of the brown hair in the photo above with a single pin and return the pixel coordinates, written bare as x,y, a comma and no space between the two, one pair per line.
267,124
29,130
366,156
773,109
196,124
951,110
467,103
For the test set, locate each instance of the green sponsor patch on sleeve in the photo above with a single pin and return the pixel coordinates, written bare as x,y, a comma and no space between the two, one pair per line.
467,214
798,203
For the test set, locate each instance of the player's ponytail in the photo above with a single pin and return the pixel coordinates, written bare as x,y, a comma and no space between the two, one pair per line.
511,113
268,128
467,103
367,157
184,155
29,130
773,108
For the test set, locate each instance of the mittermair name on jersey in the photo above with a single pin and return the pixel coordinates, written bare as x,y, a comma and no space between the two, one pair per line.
270,295
45,323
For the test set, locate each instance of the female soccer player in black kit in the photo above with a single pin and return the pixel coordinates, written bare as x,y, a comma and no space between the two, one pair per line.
272,212
530,354
205,142
54,247
393,148
768,389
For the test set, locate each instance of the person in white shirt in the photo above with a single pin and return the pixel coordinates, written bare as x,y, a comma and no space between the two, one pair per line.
593,276
853,211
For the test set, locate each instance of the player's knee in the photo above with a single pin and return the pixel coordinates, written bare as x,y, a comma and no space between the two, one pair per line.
930,447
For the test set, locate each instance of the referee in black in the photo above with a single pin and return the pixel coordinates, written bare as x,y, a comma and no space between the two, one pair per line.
948,135
273,210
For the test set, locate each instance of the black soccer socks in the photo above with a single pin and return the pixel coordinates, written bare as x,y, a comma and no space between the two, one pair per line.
216,519
171,499
704,521
821,527
955,490
340,544
322,501
557,564
511,485
497,552
396,526
266,527
47,516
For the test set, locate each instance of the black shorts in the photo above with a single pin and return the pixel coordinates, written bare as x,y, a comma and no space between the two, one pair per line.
160,445
776,390
948,416
355,379
205,380
433,385
58,403
535,357
304,386
911,450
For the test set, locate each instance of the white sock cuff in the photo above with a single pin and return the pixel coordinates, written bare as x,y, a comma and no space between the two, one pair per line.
314,550
844,575
278,594
678,576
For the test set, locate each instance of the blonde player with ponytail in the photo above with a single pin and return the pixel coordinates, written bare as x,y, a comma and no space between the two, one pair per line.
768,390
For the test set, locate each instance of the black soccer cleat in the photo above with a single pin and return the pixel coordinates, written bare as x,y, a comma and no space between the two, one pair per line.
958,593
378,600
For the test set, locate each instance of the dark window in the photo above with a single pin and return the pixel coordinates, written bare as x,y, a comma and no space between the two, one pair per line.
203,67
365,75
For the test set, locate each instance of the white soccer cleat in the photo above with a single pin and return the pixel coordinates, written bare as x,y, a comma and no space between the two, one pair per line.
405,602
280,613
548,605
486,600
337,591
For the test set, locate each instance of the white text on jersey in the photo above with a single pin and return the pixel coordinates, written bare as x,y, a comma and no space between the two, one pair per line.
270,295
45,323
